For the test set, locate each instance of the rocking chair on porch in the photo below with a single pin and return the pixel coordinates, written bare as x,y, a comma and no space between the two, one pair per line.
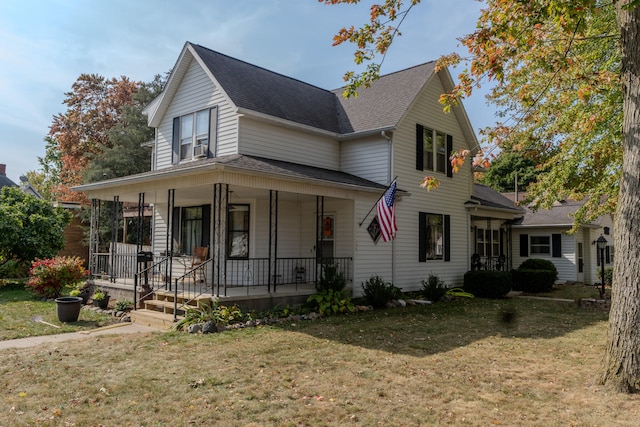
199,257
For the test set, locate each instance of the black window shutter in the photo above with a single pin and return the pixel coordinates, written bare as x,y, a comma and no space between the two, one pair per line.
206,225
447,237
556,245
524,245
422,236
175,142
607,254
449,150
213,131
419,148
501,242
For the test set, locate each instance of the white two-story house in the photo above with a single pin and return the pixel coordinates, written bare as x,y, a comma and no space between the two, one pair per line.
275,176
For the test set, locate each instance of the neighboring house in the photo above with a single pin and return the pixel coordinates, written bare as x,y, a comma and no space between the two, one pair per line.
543,234
4,179
274,176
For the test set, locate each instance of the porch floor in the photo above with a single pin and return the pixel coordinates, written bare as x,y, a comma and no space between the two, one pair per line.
248,297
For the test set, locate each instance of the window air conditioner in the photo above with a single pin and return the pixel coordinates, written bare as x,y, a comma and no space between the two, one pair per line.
200,150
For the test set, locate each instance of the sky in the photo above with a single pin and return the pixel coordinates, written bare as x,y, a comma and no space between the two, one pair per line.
46,44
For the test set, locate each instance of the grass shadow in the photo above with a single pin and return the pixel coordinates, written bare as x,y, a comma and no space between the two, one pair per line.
437,328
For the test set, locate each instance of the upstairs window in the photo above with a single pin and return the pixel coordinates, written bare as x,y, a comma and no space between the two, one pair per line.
432,150
192,134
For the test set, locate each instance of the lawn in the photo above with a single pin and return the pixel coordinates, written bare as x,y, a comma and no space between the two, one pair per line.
18,308
470,362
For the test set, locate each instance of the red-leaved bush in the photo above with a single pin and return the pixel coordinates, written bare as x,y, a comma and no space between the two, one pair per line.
47,277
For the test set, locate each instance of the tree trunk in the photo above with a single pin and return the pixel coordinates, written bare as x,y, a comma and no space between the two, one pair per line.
622,357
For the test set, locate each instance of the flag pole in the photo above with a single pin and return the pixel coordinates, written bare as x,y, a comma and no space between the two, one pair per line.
374,205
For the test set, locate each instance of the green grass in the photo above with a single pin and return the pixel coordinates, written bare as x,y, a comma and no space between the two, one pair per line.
572,291
18,308
472,362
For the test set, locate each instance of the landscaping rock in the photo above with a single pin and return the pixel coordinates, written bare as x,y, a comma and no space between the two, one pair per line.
195,328
401,303
209,328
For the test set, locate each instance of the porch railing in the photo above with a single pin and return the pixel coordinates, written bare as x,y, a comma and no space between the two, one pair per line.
496,263
152,278
238,273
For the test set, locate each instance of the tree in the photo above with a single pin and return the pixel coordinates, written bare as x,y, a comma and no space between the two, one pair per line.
125,153
94,106
597,91
509,169
30,228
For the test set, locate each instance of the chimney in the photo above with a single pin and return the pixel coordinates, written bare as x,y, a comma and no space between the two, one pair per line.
3,170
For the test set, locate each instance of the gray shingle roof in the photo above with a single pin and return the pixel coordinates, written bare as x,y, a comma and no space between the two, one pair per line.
6,182
491,198
385,102
560,214
263,91
267,92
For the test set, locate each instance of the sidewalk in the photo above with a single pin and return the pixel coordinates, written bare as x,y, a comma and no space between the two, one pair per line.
116,329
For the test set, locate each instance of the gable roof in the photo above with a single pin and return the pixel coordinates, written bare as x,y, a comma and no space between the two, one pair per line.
250,88
560,215
488,197
384,103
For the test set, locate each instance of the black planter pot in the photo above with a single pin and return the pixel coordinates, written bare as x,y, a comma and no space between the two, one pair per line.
68,308
101,303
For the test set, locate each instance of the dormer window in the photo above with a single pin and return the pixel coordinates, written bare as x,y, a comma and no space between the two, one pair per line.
192,134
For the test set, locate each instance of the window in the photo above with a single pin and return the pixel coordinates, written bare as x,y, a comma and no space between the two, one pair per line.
487,242
432,150
238,231
434,237
192,134
540,245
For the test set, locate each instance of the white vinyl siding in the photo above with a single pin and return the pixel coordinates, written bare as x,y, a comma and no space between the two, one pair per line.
367,158
448,198
258,138
195,93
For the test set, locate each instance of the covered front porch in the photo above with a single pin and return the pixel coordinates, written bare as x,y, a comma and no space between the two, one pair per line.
228,234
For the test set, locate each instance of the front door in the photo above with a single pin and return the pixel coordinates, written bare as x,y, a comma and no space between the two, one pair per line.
580,261
326,237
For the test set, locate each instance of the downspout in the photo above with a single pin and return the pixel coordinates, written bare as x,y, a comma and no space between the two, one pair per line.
389,170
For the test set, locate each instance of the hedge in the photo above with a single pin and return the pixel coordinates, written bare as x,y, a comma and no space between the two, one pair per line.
487,284
533,280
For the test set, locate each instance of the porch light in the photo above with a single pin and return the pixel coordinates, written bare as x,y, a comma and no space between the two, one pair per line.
601,244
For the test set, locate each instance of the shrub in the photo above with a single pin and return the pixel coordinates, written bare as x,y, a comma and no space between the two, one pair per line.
329,302
49,276
219,314
433,288
378,293
608,275
123,305
331,278
487,284
539,264
13,269
533,281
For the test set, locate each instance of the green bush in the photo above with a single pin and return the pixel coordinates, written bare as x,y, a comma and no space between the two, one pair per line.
608,275
378,293
433,288
330,302
533,281
13,269
219,314
487,284
539,264
331,278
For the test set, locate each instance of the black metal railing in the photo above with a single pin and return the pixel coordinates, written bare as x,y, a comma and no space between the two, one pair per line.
495,263
191,285
152,278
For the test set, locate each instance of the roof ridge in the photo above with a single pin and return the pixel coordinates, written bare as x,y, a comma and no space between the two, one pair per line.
391,73
261,68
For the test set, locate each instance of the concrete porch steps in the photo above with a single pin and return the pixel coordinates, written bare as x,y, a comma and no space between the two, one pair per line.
152,318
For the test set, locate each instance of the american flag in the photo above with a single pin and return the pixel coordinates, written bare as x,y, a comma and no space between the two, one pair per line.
386,209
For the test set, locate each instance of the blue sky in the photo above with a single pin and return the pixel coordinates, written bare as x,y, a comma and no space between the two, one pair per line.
46,44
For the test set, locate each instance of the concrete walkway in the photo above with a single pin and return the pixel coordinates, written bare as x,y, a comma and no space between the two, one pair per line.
116,329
